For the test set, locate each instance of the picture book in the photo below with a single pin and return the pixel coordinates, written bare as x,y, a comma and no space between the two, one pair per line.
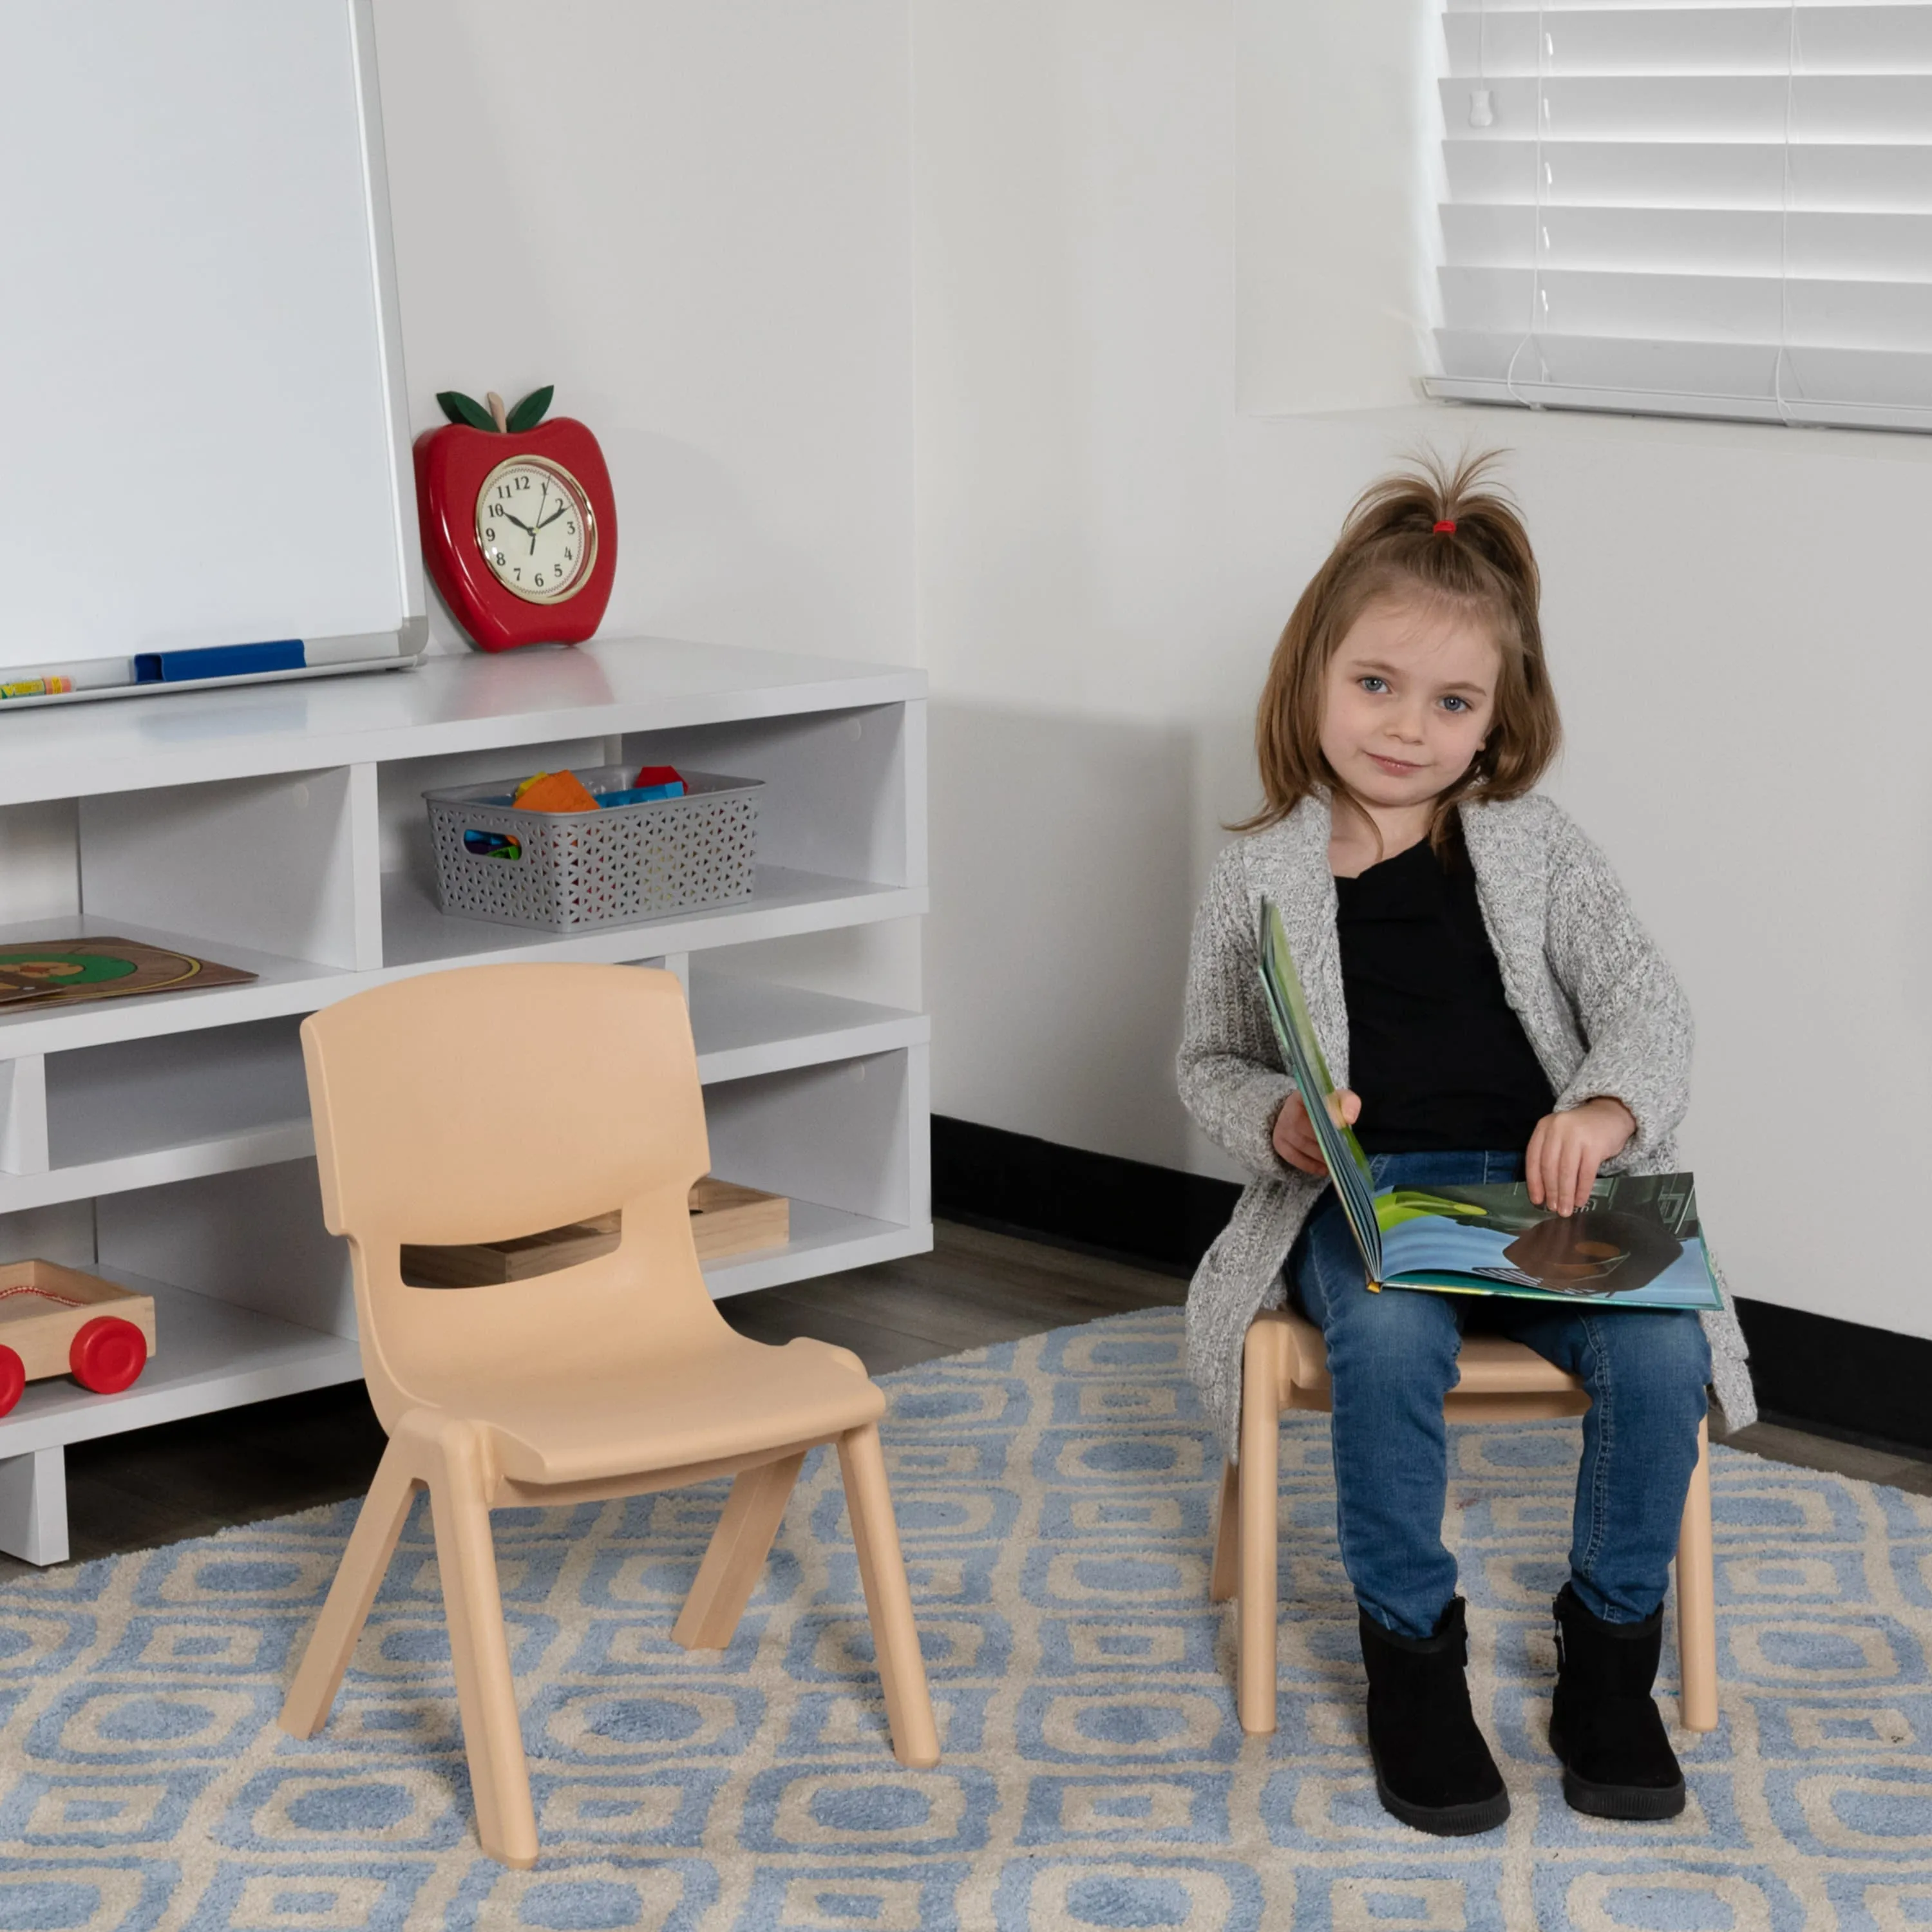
1636,1244
64,972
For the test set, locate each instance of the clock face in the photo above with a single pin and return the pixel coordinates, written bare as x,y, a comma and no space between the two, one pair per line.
535,528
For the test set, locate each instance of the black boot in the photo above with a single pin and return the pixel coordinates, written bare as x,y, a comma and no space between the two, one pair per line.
1433,1769
1603,1723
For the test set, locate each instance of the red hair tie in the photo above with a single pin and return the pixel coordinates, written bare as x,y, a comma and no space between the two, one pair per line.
1446,528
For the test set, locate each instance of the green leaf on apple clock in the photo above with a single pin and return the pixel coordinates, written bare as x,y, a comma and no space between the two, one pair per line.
530,412
461,408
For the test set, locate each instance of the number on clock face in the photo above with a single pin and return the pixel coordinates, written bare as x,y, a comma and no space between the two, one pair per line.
536,530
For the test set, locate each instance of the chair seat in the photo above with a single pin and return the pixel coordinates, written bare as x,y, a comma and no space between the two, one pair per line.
1490,1364
732,1400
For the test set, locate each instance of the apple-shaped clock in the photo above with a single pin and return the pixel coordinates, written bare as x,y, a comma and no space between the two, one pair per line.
519,524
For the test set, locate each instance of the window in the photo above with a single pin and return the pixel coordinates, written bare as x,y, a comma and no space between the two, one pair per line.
1694,210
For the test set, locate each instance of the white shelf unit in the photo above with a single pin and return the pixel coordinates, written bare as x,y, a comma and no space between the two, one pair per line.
281,828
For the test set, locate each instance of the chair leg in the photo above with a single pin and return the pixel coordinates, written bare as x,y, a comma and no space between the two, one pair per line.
1697,1599
365,1561
875,1536
736,1555
1261,1461
479,1648
1223,1575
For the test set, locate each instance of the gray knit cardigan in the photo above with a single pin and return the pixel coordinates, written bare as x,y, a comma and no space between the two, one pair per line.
1601,1008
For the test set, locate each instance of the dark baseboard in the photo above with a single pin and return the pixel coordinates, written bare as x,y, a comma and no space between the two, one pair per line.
1863,1385
1097,1202
1841,1378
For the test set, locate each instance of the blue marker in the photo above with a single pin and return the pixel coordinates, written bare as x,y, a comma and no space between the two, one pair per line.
219,660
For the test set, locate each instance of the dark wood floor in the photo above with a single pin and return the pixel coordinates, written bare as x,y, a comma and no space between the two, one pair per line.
157,1486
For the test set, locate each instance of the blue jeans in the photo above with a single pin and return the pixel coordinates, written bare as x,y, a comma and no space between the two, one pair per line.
1392,1359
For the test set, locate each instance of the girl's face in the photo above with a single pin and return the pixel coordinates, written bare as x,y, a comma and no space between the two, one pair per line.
1410,696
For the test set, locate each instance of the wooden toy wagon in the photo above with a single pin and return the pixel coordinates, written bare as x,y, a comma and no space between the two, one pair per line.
55,1321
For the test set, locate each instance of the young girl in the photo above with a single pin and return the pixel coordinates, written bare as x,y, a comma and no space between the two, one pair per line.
1482,990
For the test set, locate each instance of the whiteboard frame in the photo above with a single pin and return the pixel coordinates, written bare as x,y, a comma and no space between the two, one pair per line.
401,650
414,635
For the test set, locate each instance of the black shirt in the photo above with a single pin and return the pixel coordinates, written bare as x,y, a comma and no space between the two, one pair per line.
1440,1060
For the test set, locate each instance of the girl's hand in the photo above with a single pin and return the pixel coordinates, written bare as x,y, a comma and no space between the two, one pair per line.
1567,1148
1294,1138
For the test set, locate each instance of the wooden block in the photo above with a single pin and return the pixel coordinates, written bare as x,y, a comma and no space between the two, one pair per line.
725,1219
43,1306
517,1259
728,1219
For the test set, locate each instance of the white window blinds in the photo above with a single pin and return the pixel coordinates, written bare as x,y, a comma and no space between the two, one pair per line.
1698,210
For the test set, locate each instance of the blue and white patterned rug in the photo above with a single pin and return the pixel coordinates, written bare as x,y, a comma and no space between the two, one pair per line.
1055,1499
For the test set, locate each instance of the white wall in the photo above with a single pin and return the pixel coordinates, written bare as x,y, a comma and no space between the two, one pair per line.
1108,546
693,220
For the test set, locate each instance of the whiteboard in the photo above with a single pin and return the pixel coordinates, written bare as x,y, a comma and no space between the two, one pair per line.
205,437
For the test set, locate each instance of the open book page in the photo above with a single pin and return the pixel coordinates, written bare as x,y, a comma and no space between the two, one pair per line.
1347,1165
1637,1244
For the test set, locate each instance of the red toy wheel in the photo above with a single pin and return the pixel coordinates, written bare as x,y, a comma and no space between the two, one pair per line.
13,1379
108,1355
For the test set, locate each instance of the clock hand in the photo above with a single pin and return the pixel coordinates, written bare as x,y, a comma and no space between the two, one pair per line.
510,516
552,517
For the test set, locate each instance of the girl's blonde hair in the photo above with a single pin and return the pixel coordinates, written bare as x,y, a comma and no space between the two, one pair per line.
1450,538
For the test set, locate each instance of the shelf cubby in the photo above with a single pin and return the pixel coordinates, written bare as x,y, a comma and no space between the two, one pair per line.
744,1026
167,1107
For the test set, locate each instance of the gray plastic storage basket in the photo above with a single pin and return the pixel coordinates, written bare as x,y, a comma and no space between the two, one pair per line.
576,868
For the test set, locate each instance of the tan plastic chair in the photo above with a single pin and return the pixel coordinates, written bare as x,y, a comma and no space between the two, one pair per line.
478,1105
1284,1365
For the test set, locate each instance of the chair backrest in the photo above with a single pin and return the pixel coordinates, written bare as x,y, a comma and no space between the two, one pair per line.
496,1101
